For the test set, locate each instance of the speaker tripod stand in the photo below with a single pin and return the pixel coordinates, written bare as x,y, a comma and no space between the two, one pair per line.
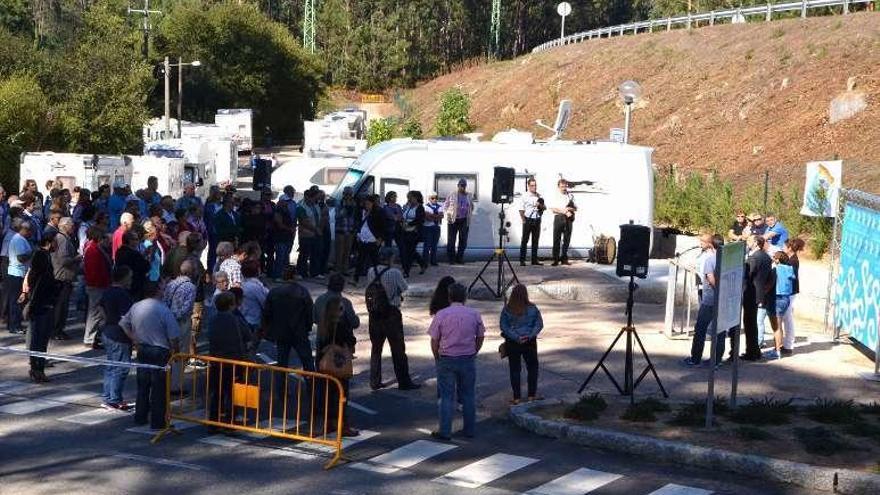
502,283
629,386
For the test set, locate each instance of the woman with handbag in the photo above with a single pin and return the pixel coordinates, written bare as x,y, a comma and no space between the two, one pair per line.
521,323
413,217
38,295
335,343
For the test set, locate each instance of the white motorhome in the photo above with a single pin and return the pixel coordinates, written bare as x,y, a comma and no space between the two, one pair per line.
72,169
621,174
303,173
238,124
198,158
168,170
341,133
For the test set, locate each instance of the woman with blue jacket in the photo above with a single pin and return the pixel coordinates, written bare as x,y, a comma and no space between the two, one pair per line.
521,323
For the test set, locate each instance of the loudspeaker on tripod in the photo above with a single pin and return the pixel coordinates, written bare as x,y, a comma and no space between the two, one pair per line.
633,250
502,185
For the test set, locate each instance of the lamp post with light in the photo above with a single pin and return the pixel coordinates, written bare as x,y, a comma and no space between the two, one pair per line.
630,91
180,63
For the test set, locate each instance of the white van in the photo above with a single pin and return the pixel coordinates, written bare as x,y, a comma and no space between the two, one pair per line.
168,170
623,188
238,124
72,169
303,173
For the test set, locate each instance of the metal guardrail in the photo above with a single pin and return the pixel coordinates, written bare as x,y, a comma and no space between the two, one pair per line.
711,18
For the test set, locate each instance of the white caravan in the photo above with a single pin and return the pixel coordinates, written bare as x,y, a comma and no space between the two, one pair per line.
303,173
198,157
238,123
88,171
341,133
168,170
622,190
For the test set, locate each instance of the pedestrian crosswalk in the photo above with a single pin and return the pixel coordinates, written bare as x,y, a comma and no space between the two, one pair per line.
415,456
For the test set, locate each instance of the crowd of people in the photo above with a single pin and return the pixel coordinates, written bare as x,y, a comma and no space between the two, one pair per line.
770,286
147,270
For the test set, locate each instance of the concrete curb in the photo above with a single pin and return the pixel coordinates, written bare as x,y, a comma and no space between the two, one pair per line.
563,291
845,481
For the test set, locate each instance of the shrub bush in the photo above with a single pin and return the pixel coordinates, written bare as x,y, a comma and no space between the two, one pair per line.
380,130
644,410
821,441
833,411
694,414
767,411
752,433
454,116
587,408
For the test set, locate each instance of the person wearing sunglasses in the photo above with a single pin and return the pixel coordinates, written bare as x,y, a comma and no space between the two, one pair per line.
738,227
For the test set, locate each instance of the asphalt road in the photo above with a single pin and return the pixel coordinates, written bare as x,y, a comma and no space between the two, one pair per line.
55,439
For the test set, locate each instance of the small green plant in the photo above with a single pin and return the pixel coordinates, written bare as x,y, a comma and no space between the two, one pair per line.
821,441
785,57
766,411
587,408
454,116
833,411
872,408
778,33
821,229
380,130
752,433
644,410
411,128
694,414
750,54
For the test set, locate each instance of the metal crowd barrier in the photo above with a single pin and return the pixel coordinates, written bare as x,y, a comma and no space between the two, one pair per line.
681,299
257,398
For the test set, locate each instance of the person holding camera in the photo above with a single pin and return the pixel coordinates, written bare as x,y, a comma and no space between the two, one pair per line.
530,212
563,208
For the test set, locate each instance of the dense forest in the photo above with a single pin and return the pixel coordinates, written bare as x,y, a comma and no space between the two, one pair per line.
74,75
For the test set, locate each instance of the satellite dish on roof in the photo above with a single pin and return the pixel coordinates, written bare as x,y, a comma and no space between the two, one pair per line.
563,116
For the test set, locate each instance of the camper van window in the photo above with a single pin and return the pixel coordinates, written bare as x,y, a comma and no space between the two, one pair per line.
335,175
446,184
351,178
189,175
400,186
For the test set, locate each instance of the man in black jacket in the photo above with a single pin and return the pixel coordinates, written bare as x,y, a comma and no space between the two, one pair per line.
287,321
229,339
128,255
369,233
114,303
756,286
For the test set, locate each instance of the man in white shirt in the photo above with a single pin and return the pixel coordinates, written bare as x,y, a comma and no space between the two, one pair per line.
431,229
530,212
704,323
458,209
561,203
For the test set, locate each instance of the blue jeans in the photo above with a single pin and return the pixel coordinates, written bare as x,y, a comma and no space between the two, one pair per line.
703,325
307,263
457,374
430,238
282,258
782,304
763,314
114,376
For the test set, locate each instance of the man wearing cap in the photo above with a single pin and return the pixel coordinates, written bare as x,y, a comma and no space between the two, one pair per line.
458,209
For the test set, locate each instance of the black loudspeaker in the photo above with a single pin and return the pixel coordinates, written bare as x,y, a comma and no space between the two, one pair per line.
262,174
502,185
633,250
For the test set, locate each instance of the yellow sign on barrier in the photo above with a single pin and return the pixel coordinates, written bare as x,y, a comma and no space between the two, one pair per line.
242,396
373,98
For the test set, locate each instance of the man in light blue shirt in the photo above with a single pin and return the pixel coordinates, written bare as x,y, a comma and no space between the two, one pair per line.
776,234
20,254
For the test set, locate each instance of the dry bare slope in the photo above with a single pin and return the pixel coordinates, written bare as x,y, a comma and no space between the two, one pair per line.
740,99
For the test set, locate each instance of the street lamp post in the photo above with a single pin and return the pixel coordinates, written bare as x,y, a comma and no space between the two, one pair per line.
630,91
179,65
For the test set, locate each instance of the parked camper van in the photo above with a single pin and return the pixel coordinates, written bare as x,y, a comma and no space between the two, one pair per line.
341,133
304,173
168,169
89,171
238,123
198,157
622,178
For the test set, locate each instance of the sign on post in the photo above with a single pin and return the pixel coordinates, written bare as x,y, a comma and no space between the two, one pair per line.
821,188
729,271
563,9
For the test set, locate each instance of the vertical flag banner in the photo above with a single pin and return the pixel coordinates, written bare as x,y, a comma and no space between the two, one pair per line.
858,286
821,188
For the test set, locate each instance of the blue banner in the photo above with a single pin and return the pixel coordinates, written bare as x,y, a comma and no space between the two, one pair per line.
858,286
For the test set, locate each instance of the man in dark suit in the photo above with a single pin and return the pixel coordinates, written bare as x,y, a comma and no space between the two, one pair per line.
757,279
227,224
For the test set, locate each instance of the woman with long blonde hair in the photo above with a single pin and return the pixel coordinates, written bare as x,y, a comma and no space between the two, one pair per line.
521,323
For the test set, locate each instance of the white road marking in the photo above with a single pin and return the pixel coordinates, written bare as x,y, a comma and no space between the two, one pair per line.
12,387
35,405
295,453
94,417
160,461
423,430
346,442
673,489
363,409
404,457
486,470
575,483
223,440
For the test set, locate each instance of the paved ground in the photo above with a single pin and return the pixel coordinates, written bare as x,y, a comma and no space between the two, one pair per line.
56,439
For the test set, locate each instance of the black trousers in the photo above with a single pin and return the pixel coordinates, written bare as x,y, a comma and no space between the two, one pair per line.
12,286
750,327
303,350
389,328
516,353
409,255
531,229
151,387
4,306
457,229
220,378
561,234
37,338
62,306
367,257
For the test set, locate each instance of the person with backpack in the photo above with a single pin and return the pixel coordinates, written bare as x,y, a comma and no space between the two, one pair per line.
385,287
